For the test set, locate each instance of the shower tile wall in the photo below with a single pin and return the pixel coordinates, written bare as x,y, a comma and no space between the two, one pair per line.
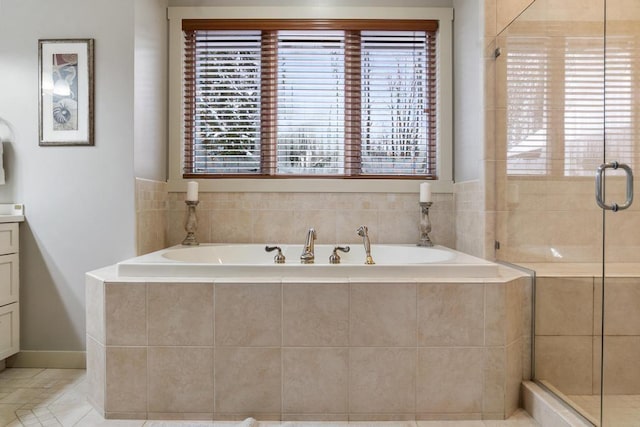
285,217
568,334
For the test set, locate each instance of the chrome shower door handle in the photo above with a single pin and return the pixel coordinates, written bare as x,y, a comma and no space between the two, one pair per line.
599,186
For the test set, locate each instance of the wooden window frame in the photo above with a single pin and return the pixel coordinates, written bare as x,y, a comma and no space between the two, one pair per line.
352,147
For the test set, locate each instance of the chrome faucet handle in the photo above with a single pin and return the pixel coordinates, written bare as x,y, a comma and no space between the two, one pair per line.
279,258
334,258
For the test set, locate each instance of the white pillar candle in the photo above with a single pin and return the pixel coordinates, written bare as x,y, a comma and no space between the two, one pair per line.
425,192
192,191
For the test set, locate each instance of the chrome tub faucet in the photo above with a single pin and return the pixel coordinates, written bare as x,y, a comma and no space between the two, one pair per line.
363,232
308,255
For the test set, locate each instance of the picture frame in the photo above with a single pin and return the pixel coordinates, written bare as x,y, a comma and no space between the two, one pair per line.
66,90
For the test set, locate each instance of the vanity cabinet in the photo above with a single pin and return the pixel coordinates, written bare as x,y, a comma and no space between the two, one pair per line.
9,290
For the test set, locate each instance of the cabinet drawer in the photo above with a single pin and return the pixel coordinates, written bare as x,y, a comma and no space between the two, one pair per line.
9,279
9,243
9,330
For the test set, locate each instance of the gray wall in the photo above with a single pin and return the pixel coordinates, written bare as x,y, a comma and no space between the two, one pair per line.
150,89
468,116
79,200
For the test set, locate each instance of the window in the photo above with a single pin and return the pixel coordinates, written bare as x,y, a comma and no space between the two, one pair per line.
324,98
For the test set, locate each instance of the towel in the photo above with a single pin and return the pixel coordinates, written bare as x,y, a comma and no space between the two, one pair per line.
1,164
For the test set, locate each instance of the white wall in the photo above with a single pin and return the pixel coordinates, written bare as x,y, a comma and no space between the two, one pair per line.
79,200
150,103
468,101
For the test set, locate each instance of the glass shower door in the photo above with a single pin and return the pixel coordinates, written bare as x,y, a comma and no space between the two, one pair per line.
620,327
550,133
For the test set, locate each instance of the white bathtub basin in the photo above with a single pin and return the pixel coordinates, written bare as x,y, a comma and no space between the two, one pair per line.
251,260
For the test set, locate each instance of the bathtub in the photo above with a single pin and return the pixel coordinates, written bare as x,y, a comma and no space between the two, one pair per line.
221,332
251,260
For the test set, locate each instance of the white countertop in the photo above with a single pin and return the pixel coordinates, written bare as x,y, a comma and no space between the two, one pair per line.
11,212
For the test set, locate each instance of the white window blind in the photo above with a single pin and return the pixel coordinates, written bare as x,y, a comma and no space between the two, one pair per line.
583,105
310,102
528,85
280,99
398,102
222,117
620,98
565,100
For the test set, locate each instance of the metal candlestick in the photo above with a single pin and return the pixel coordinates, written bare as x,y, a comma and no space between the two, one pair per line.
425,225
191,224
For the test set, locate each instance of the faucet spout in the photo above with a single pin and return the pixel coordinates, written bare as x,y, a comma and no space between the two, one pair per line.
363,232
308,255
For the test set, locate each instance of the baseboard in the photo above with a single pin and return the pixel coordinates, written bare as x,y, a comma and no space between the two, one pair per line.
48,359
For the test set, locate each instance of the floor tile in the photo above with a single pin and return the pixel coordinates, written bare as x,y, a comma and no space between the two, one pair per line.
57,397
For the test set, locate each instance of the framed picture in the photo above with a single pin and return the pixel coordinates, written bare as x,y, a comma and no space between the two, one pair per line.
66,91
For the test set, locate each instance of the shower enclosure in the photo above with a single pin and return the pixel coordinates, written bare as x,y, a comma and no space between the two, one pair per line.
567,76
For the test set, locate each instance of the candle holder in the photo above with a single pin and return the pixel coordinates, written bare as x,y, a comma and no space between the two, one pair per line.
191,224
425,225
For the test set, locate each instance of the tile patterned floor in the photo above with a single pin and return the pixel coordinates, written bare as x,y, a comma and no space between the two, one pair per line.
56,397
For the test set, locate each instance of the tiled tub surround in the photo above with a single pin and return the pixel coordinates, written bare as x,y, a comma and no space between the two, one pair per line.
151,215
286,217
304,349
568,333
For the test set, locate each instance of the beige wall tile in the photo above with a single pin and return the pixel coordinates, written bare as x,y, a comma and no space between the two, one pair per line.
322,220
285,217
315,380
507,10
273,226
564,306
96,366
383,314
126,313
513,310
450,314
565,362
231,226
622,306
94,302
450,380
399,226
495,373
248,380
514,377
621,365
180,314
348,221
315,314
180,379
152,199
126,379
382,380
248,314
495,328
